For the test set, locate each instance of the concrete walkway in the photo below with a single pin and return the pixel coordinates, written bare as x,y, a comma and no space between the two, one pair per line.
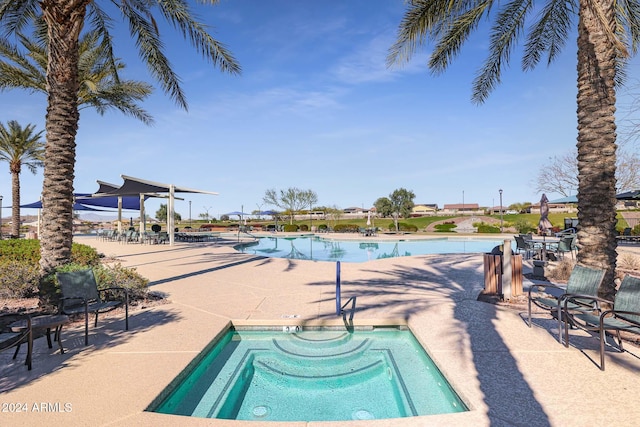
507,373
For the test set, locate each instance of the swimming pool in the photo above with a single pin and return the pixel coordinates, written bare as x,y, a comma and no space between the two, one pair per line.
311,375
320,249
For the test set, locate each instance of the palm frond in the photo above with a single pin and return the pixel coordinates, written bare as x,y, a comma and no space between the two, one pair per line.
413,31
457,33
505,32
150,49
178,14
550,32
16,14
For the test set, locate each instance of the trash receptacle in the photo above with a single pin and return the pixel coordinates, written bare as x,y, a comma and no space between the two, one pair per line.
493,273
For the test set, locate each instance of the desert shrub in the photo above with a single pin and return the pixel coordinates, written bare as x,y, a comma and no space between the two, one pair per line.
629,261
562,271
304,227
18,279
322,227
636,230
290,228
445,227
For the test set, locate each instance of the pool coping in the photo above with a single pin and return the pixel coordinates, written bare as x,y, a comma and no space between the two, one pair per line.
505,371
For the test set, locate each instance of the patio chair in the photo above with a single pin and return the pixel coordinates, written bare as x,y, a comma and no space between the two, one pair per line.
15,339
563,246
524,245
582,281
624,316
80,294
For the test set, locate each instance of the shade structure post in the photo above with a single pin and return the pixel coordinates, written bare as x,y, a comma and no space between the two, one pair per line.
171,215
119,214
143,226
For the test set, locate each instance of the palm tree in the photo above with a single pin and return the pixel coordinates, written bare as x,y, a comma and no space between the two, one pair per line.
65,20
100,86
608,32
19,147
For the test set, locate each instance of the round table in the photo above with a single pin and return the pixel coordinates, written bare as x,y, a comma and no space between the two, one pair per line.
47,322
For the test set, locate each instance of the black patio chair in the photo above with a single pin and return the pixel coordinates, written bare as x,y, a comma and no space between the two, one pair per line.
80,294
15,339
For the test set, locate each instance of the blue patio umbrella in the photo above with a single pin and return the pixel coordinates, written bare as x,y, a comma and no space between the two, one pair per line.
273,214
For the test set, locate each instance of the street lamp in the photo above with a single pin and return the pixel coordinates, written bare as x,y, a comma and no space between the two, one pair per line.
0,217
189,213
501,223
206,209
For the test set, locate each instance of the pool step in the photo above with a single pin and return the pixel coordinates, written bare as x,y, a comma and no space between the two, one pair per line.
330,353
300,372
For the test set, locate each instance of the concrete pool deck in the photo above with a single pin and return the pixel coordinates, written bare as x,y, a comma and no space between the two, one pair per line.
506,372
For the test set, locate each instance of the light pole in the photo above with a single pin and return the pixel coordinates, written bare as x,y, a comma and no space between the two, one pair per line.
189,213
501,223
0,217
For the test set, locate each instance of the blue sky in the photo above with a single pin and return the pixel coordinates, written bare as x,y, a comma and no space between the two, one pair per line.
316,108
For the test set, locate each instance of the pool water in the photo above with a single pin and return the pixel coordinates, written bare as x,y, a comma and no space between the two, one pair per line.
321,249
329,375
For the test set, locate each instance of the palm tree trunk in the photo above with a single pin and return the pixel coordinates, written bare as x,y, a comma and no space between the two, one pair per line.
64,20
15,204
597,145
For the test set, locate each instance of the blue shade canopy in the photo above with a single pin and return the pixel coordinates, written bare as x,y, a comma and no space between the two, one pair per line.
128,202
237,213
267,213
76,207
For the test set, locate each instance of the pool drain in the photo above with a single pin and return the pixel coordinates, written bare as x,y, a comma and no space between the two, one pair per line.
261,411
362,414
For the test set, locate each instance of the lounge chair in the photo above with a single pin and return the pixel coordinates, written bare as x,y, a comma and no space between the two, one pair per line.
15,339
582,281
624,316
80,294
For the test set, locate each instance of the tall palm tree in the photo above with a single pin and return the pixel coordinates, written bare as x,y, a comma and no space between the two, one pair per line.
608,32
100,86
65,20
19,147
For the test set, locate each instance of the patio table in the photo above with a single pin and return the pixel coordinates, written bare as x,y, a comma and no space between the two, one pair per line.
44,322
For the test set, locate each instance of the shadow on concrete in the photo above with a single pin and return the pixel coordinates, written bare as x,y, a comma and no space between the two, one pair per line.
46,361
450,280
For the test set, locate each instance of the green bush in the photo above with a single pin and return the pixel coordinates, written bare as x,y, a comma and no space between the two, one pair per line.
290,228
403,226
486,228
304,227
322,227
23,250
28,251
636,230
445,228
